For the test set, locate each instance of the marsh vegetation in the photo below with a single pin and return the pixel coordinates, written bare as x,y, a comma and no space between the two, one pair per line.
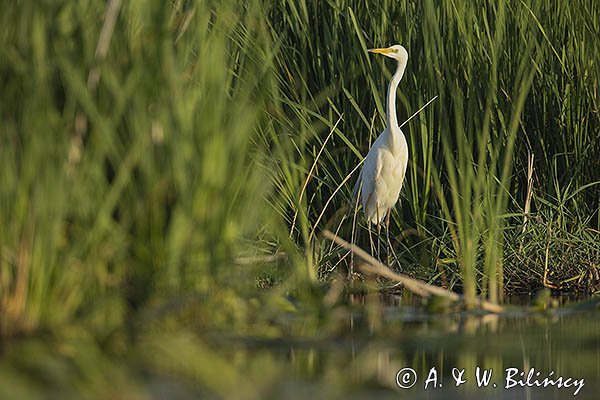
168,169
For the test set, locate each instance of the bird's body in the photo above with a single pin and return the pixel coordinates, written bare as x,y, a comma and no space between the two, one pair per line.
382,175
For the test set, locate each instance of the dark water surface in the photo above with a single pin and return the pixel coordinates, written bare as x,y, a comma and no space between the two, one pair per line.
557,345
360,361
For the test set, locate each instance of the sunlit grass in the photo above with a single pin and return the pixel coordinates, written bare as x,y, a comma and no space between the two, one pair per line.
142,186
506,76
177,167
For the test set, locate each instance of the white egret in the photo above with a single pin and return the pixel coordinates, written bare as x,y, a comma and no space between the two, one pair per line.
382,174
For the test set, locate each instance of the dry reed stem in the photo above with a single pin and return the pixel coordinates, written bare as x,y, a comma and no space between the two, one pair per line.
420,288
81,122
527,207
312,232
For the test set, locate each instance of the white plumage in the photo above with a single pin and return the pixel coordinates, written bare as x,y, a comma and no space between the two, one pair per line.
382,174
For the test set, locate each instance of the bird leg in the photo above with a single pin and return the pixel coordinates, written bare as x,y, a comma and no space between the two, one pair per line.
378,236
379,241
354,232
370,238
389,243
387,237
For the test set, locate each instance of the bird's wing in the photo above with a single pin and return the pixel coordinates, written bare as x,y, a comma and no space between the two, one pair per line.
370,172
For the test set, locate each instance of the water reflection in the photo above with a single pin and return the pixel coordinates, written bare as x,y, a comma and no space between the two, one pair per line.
363,366
361,360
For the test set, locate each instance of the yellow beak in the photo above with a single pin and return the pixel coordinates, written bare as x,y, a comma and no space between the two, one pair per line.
386,50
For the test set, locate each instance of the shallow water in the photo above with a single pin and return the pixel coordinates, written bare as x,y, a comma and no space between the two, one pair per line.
360,360
556,344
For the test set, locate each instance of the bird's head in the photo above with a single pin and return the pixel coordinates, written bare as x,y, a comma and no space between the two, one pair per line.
396,52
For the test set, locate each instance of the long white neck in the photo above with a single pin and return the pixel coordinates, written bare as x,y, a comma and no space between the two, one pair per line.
392,119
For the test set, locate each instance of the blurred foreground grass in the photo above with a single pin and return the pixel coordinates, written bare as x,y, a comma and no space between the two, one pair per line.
155,159
129,176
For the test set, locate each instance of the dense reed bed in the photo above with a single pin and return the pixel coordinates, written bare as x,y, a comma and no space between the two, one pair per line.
169,166
516,81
